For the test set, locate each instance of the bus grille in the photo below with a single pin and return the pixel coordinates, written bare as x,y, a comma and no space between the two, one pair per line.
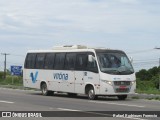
118,83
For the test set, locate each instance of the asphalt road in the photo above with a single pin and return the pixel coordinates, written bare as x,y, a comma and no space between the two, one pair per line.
28,100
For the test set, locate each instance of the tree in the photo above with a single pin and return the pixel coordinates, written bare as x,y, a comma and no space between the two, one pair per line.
143,75
148,78
154,71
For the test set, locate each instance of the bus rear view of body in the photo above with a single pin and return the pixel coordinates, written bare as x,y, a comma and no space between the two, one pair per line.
80,70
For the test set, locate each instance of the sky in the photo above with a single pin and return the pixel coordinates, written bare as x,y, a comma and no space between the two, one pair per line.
129,25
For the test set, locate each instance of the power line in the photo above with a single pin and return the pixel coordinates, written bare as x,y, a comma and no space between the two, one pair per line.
17,55
143,62
146,59
5,54
141,51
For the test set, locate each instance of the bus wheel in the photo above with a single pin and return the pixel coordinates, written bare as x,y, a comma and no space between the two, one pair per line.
91,94
45,90
122,97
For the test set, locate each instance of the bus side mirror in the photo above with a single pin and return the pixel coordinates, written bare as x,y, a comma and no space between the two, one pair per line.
91,58
131,59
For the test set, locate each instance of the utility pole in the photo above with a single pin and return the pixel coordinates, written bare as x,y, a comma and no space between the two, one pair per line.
159,73
158,48
5,63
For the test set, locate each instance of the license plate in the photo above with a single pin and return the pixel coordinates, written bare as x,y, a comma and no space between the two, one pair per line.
122,87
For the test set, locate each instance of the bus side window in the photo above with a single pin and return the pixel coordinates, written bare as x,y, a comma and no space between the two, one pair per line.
70,61
30,60
40,61
92,66
81,62
59,61
49,61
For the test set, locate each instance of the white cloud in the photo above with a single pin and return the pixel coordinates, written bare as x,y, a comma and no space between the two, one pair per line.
129,1
109,23
89,16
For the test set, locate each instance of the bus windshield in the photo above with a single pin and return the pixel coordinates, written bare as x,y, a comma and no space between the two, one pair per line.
115,63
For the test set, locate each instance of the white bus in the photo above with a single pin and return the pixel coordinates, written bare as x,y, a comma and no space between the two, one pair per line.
80,70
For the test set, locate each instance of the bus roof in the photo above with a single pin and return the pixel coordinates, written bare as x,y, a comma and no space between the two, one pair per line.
74,48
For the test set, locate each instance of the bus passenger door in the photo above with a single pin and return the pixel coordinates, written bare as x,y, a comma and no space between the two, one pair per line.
91,76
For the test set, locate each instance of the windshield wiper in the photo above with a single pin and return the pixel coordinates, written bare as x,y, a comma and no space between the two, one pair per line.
112,71
126,72
118,72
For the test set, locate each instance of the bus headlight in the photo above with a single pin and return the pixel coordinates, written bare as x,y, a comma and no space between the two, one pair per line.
133,82
108,82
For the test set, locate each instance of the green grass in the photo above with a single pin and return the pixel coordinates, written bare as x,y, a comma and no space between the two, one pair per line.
149,91
12,80
147,87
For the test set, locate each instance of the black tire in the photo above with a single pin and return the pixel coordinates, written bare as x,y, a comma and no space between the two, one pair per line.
91,94
122,97
45,91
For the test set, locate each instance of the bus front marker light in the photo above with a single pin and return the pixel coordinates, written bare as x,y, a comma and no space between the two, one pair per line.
133,82
108,82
